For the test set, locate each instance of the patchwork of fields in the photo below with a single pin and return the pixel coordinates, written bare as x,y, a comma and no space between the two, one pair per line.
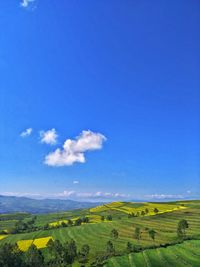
97,233
38,242
130,207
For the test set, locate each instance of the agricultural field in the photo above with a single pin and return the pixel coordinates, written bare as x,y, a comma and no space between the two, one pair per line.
97,233
38,242
185,254
128,207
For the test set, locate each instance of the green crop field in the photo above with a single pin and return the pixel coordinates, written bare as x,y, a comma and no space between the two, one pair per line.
97,233
186,254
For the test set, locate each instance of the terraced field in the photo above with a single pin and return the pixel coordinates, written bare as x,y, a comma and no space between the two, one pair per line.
132,207
186,254
97,233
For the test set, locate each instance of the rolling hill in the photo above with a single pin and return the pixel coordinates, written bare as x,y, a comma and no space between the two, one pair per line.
167,248
9,204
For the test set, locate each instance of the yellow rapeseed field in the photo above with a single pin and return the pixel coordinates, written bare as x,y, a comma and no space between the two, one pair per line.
57,223
38,242
3,236
123,207
24,245
42,242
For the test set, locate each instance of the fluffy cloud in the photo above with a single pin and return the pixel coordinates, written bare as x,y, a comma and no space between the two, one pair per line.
73,150
27,132
71,194
75,182
164,196
25,3
49,137
92,195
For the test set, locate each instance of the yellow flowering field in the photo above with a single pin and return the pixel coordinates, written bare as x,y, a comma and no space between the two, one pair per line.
38,242
2,236
126,208
57,223
24,245
42,242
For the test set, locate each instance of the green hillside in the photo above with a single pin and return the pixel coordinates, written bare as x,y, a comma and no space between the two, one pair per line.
186,254
125,218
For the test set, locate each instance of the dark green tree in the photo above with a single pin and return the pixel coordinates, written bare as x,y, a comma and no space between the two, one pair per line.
102,218
85,250
146,210
70,222
137,233
10,256
181,228
152,234
85,219
78,222
110,249
34,257
109,218
69,252
156,210
129,247
114,234
64,224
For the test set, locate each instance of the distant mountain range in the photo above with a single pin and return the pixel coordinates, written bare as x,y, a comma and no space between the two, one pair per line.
9,204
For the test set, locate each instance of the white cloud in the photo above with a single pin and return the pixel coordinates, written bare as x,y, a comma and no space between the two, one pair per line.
27,132
25,3
19,194
164,196
71,194
73,150
92,195
75,182
49,137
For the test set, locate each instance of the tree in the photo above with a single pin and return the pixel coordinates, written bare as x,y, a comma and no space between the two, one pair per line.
110,248
78,222
85,250
46,226
50,246
56,250
10,256
70,222
34,257
114,233
129,247
152,234
156,210
109,218
69,253
181,228
85,220
142,213
146,210
137,233
102,218
64,224
72,249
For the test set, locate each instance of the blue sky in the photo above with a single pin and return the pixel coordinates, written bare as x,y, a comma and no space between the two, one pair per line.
124,74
